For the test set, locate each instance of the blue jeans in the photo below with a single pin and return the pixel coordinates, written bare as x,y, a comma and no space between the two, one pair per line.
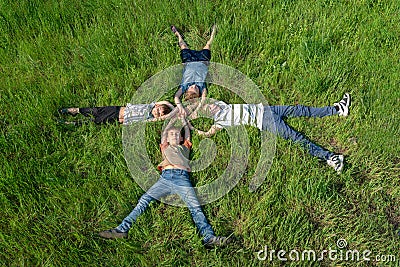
172,181
274,122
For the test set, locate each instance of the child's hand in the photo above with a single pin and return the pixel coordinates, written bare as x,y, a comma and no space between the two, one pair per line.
182,111
201,133
182,118
193,115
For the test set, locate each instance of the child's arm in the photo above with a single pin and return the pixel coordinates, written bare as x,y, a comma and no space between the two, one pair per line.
186,127
178,103
210,132
164,140
163,102
192,110
202,99
204,95
198,105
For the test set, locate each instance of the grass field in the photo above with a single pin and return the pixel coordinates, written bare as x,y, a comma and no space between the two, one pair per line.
61,185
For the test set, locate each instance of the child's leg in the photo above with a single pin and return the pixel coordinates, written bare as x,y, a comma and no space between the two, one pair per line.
201,222
278,126
159,189
121,115
142,205
69,111
185,190
303,111
181,42
213,32
87,112
107,114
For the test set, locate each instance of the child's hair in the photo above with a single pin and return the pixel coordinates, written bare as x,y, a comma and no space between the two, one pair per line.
175,128
165,108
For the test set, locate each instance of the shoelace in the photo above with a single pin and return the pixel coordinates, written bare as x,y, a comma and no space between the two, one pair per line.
336,161
343,102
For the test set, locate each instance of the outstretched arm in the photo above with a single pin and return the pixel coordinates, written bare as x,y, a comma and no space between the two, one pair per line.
186,128
164,102
209,133
204,95
192,110
201,103
178,103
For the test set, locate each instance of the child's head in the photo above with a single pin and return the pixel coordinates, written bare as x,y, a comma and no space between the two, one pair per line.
174,136
160,110
192,92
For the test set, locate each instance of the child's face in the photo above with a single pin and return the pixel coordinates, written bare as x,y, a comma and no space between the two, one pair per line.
174,137
157,111
193,89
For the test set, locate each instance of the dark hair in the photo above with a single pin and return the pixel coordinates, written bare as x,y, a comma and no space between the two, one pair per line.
165,108
174,128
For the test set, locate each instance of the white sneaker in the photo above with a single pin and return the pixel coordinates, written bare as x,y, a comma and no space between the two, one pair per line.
337,162
343,105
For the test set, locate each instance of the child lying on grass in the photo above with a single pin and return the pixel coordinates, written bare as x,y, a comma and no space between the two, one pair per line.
227,115
123,114
195,70
174,179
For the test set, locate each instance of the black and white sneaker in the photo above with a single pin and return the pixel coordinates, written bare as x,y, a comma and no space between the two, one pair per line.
337,162
343,105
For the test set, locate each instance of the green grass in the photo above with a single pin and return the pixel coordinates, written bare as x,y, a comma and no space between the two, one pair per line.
61,186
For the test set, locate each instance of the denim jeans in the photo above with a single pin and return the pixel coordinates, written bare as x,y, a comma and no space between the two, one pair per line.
172,181
274,122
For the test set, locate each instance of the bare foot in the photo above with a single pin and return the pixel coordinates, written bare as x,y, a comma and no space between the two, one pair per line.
69,111
181,42
213,32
